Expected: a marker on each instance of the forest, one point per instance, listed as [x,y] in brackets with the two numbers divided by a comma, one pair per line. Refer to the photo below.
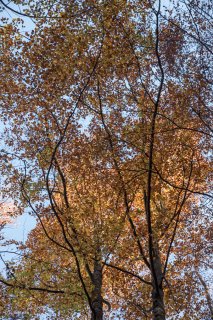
[106,145]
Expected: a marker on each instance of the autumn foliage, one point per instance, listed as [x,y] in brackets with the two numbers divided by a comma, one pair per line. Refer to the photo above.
[106,112]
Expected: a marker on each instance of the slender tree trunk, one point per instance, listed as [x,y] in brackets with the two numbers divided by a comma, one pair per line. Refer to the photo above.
[96,298]
[206,290]
[157,291]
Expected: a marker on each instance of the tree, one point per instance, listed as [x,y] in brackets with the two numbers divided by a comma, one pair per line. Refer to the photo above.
[142,154]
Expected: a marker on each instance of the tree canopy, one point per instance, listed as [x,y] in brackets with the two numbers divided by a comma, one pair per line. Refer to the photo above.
[107,135]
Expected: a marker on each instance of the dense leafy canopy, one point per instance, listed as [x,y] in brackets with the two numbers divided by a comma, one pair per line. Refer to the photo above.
[106,110]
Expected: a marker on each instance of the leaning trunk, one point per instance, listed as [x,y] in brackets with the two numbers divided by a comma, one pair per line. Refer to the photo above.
[157,291]
[206,291]
[96,297]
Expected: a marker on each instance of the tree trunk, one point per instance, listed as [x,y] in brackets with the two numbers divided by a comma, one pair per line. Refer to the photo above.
[157,291]
[96,297]
[158,304]
[206,290]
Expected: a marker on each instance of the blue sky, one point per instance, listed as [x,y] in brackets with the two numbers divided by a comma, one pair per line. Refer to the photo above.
[20,226]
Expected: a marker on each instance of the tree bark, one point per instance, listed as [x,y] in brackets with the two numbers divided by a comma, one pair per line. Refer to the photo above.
[96,297]
[157,291]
